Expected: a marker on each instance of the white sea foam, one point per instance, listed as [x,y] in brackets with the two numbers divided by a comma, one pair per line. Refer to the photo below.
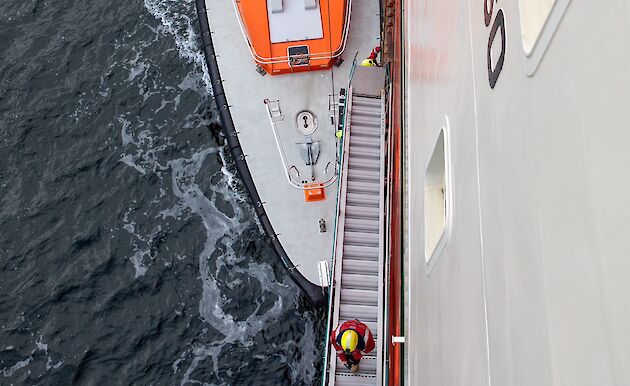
[211,307]
[138,140]
[7,372]
[39,346]
[138,265]
[178,24]
[126,137]
[127,159]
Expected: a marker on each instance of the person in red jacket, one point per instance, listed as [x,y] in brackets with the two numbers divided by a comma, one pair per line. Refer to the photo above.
[352,340]
[371,59]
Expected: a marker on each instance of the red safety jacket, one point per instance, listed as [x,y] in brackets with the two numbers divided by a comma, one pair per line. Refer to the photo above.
[374,53]
[366,341]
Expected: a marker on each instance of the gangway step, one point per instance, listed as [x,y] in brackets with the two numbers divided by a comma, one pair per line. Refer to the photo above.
[362,199]
[361,129]
[361,312]
[359,297]
[369,111]
[366,368]
[364,152]
[361,238]
[352,280]
[362,212]
[367,132]
[365,163]
[363,187]
[360,252]
[360,267]
[342,379]
[367,102]
[363,175]
[363,141]
[365,122]
[362,225]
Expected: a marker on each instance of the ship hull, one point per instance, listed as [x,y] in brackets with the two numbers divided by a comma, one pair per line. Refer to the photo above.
[528,284]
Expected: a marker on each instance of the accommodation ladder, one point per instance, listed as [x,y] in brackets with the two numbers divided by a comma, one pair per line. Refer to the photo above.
[359,258]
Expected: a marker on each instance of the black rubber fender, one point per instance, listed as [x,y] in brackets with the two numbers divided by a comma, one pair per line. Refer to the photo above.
[314,293]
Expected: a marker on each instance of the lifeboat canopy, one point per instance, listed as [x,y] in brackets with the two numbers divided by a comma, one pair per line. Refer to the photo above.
[287,36]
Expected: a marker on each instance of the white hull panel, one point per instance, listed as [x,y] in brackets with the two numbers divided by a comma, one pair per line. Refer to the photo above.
[533,285]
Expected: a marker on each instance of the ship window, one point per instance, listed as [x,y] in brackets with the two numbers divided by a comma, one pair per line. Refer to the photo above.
[534,15]
[436,200]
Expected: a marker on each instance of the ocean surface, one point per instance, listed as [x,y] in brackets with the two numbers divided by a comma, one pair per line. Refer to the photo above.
[129,252]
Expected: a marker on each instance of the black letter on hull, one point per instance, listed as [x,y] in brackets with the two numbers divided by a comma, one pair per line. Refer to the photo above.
[493,74]
[487,14]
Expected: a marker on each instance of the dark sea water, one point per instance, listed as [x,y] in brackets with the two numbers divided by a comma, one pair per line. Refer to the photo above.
[129,253]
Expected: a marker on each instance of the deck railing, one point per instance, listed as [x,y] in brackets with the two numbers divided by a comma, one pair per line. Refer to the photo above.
[275,116]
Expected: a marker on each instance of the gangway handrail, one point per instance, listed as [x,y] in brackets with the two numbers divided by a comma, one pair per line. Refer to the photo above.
[281,59]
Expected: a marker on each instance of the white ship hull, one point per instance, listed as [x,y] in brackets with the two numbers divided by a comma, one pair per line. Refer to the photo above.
[529,285]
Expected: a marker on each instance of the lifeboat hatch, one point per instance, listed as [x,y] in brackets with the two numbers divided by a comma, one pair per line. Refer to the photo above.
[298,56]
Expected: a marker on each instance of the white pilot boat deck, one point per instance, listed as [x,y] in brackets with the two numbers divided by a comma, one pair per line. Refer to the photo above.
[303,228]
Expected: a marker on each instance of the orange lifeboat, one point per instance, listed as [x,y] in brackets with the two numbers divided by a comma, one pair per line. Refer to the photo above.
[287,36]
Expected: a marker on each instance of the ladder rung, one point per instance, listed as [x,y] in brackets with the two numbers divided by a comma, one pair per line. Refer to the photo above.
[367,365]
[361,225]
[364,187]
[360,266]
[362,141]
[363,175]
[359,297]
[368,111]
[365,121]
[363,101]
[354,380]
[360,252]
[361,238]
[359,129]
[364,212]
[352,280]
[362,199]
[365,163]
[361,312]
[364,152]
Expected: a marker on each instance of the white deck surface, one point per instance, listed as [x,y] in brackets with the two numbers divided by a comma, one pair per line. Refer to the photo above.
[295,221]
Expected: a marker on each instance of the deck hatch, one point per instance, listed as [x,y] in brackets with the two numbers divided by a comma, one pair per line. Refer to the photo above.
[298,56]
[294,21]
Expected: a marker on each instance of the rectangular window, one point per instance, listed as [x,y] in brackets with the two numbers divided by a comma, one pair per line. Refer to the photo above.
[534,15]
[435,200]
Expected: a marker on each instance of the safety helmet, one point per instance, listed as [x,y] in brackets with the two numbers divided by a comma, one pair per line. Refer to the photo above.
[368,62]
[349,340]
